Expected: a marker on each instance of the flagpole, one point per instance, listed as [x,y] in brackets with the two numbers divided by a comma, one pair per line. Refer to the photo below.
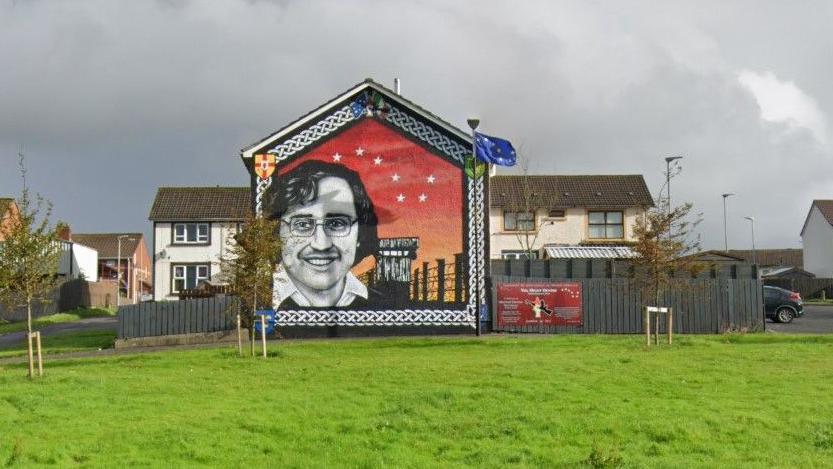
[473,123]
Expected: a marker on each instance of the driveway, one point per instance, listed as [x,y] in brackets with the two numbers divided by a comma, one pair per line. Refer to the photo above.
[816,320]
[89,324]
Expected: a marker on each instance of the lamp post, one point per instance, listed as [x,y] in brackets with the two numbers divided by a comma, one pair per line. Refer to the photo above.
[118,268]
[668,161]
[725,233]
[754,252]
[473,124]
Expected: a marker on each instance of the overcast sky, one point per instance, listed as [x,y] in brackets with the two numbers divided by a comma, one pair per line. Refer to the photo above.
[112,99]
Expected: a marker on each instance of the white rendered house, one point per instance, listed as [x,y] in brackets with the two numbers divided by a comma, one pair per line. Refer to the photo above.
[817,238]
[556,216]
[191,229]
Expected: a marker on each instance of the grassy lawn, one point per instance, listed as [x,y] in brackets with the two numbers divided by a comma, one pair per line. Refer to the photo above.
[65,342]
[68,316]
[557,401]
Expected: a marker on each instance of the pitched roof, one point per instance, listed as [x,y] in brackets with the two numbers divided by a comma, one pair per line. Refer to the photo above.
[201,204]
[107,244]
[591,191]
[826,209]
[368,83]
[772,257]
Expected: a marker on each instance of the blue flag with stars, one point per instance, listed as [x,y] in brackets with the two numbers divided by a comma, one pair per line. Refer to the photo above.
[494,150]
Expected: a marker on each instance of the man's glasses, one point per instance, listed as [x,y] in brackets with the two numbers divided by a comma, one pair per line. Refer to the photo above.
[338,225]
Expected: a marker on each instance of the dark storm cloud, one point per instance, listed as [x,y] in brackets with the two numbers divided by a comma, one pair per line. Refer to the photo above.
[115,98]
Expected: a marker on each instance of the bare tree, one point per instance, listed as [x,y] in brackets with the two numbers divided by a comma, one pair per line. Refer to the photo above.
[524,209]
[665,244]
[29,252]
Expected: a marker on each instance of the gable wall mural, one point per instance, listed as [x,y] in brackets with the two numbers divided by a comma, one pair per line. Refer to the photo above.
[377,218]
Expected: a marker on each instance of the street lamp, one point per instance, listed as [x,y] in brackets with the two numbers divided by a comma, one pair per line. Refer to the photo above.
[754,252]
[118,267]
[668,161]
[725,233]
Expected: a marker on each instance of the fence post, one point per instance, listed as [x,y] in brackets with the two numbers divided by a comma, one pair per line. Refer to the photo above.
[416,285]
[263,333]
[646,318]
[424,281]
[458,278]
[29,337]
[40,355]
[441,280]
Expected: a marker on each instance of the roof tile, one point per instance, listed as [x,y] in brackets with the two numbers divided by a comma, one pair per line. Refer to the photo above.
[590,191]
[201,204]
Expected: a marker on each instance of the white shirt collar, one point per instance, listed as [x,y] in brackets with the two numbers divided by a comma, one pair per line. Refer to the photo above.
[283,288]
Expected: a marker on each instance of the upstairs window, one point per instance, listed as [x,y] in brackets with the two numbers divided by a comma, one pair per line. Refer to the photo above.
[191,233]
[605,225]
[518,221]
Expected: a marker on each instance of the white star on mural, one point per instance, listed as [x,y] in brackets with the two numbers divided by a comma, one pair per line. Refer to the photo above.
[395,177]
[377,161]
[430,179]
[423,197]
[359,151]
[336,157]
[400,198]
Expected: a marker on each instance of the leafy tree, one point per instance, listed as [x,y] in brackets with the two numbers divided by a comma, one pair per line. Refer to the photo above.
[29,253]
[249,263]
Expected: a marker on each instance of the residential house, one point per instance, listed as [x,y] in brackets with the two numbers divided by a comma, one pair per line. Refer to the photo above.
[8,213]
[120,252]
[817,239]
[559,216]
[76,261]
[191,229]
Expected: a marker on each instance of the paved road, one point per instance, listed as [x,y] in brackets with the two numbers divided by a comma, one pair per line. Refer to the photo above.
[89,324]
[816,320]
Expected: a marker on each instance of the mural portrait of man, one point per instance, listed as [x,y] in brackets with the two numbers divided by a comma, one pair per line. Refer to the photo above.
[327,225]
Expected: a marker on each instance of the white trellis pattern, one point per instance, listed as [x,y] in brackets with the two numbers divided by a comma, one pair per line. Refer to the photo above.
[476,243]
[403,317]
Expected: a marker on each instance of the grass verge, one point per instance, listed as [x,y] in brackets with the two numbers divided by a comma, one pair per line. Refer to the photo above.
[66,342]
[58,318]
[558,401]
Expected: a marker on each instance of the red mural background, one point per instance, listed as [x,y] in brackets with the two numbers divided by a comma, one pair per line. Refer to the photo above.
[415,192]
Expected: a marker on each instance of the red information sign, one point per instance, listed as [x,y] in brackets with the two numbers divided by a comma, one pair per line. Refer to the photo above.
[552,304]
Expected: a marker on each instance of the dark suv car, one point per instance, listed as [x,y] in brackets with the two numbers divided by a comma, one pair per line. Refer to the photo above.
[782,305]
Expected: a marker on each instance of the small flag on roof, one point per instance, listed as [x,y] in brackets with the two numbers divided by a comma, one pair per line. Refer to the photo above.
[494,150]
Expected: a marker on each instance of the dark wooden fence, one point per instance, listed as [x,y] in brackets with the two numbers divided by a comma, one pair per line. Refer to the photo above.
[807,287]
[723,298]
[177,317]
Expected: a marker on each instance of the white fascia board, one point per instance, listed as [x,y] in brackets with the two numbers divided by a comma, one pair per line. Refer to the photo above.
[252,149]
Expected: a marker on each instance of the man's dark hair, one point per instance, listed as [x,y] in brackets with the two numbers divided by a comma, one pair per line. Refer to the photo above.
[300,187]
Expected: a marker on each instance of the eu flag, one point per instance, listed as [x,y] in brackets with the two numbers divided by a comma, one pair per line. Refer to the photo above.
[494,150]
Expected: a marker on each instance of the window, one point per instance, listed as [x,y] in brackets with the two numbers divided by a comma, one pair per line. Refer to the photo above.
[518,221]
[188,276]
[191,233]
[518,254]
[556,213]
[605,225]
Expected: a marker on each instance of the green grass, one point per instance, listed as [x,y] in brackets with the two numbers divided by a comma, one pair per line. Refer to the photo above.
[818,301]
[559,401]
[58,318]
[65,342]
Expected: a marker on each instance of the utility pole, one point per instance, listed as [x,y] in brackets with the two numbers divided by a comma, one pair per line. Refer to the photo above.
[668,161]
[725,232]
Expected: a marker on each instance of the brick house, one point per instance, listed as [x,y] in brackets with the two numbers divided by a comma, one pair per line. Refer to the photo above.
[191,229]
[133,260]
[559,216]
